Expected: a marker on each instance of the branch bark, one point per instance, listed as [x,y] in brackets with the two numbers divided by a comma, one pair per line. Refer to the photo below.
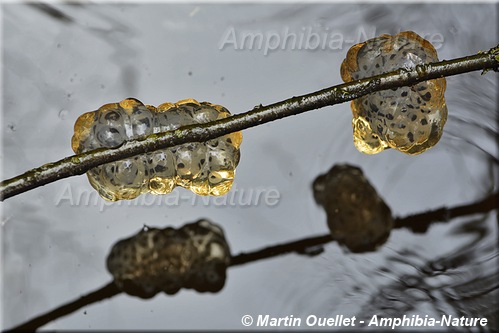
[79,164]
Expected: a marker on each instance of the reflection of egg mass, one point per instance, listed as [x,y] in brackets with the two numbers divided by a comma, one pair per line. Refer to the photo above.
[356,215]
[195,256]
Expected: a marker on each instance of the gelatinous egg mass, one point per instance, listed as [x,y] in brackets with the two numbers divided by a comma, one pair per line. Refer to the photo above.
[206,168]
[409,119]
[196,256]
[356,215]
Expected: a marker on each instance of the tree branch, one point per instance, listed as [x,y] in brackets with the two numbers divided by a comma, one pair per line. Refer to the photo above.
[79,164]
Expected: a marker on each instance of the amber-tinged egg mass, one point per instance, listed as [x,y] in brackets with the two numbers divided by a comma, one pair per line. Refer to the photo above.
[409,119]
[206,168]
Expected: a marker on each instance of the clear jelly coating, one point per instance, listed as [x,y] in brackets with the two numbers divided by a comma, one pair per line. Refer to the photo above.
[196,256]
[356,215]
[409,119]
[206,168]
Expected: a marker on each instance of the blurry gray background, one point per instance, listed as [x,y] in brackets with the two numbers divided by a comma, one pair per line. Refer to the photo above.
[58,64]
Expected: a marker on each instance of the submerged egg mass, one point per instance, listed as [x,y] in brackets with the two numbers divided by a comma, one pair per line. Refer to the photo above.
[206,168]
[409,119]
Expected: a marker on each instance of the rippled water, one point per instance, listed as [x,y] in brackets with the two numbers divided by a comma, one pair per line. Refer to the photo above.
[60,61]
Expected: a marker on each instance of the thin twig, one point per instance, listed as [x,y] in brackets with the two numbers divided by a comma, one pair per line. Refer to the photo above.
[79,164]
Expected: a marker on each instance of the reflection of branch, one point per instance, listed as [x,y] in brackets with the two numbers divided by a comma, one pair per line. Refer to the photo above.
[108,291]
[79,164]
[418,223]
[52,12]
[300,246]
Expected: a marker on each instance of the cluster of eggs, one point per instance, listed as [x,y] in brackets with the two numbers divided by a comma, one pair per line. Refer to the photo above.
[409,119]
[356,215]
[195,256]
[206,168]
